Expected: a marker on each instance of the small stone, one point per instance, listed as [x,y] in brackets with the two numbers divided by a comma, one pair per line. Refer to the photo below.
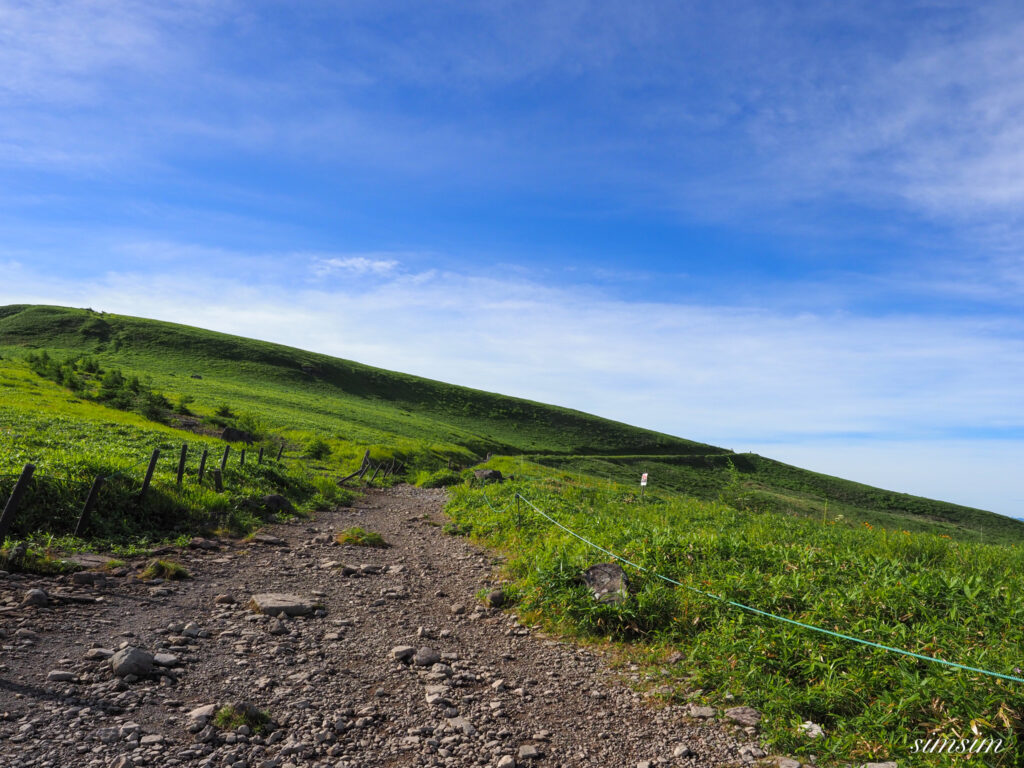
[812,730]
[506,761]
[277,627]
[887,764]
[458,610]
[225,599]
[151,739]
[98,654]
[744,716]
[35,597]
[426,657]
[684,751]
[529,752]
[60,676]
[496,598]
[403,652]
[704,713]
[787,762]
[165,660]
[463,725]
[123,762]
[205,712]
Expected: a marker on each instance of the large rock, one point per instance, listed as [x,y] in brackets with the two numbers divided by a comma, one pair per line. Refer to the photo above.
[232,435]
[275,502]
[488,475]
[276,603]
[131,661]
[608,582]
[35,597]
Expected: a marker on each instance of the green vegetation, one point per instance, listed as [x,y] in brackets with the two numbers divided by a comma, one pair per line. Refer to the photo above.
[441,478]
[85,395]
[357,537]
[334,410]
[234,716]
[924,593]
[165,569]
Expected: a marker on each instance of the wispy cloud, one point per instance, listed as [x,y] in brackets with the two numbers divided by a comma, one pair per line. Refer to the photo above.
[361,264]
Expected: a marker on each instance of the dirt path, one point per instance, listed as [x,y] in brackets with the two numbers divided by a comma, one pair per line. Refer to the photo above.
[499,695]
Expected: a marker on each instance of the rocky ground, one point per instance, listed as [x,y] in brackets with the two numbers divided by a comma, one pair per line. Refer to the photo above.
[396,662]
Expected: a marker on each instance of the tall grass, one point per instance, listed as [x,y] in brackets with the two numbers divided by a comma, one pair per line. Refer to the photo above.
[924,593]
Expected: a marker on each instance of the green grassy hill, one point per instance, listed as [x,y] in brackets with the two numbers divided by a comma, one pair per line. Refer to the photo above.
[301,396]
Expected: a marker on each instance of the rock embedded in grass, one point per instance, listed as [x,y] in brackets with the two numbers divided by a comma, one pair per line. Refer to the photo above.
[746,716]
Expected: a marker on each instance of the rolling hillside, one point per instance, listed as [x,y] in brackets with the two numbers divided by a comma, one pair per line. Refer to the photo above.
[300,396]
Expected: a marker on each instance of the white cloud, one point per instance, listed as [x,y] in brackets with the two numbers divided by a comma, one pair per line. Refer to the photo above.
[363,264]
[730,376]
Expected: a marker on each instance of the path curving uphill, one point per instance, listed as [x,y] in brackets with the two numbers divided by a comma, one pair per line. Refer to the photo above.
[380,657]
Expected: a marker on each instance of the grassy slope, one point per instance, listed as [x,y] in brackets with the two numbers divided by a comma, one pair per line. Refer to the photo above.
[920,592]
[299,394]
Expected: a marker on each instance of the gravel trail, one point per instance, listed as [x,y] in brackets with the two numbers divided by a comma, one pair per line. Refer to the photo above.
[397,663]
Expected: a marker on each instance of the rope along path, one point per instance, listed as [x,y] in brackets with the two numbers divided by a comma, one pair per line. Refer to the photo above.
[757,611]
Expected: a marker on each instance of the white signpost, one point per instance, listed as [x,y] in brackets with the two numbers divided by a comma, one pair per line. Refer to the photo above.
[643,484]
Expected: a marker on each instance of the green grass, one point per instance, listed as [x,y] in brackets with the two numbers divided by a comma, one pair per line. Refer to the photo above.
[920,592]
[232,716]
[165,569]
[357,537]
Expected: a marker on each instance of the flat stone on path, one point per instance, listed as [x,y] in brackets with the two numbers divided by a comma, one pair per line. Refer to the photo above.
[266,538]
[276,603]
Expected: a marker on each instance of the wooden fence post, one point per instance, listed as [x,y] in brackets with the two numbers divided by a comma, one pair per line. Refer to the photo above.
[241,462]
[280,451]
[218,481]
[149,474]
[259,459]
[181,462]
[202,465]
[224,458]
[90,501]
[12,503]
[375,472]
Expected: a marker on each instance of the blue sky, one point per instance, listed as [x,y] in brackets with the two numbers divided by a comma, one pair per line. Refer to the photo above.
[787,227]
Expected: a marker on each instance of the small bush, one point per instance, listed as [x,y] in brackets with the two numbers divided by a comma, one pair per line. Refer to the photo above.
[165,569]
[357,537]
[224,411]
[317,449]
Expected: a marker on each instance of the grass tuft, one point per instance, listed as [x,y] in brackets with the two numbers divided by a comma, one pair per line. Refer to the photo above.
[234,716]
[165,569]
[357,537]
